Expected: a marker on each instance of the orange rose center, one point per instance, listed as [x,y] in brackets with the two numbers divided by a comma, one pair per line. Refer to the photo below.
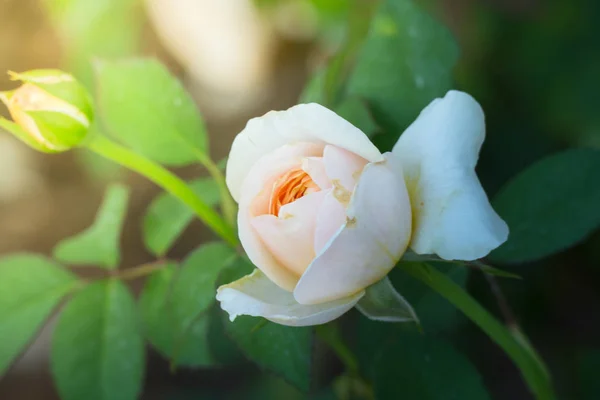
[291,186]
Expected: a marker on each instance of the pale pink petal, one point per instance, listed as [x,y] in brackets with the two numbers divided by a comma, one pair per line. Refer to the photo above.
[290,236]
[315,167]
[257,296]
[331,217]
[438,152]
[302,123]
[343,167]
[371,242]
[255,201]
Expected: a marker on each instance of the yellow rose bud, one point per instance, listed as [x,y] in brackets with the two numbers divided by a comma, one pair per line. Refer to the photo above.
[51,111]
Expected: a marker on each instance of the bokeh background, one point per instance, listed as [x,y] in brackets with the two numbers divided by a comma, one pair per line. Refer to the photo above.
[534,65]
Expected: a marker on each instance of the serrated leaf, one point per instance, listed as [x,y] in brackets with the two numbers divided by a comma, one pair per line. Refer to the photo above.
[175,306]
[31,286]
[99,244]
[97,350]
[283,350]
[382,302]
[167,217]
[405,62]
[421,367]
[550,206]
[147,109]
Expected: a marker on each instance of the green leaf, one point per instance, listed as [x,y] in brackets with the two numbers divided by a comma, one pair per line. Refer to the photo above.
[435,313]
[551,206]
[102,28]
[147,109]
[406,62]
[588,367]
[313,90]
[97,350]
[31,287]
[175,306]
[99,244]
[356,112]
[382,302]
[420,367]
[167,217]
[285,351]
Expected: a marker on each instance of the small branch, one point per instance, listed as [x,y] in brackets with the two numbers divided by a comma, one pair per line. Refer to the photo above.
[505,309]
[139,271]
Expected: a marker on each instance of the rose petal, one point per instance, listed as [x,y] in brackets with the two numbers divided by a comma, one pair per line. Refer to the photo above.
[315,167]
[255,201]
[331,217]
[369,244]
[290,236]
[257,296]
[438,152]
[342,166]
[301,123]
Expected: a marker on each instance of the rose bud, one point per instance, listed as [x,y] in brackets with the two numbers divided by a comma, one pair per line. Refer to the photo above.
[323,214]
[51,111]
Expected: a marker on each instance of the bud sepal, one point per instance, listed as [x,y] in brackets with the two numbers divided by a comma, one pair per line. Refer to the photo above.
[52,112]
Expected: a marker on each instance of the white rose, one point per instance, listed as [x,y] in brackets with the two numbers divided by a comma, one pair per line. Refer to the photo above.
[323,214]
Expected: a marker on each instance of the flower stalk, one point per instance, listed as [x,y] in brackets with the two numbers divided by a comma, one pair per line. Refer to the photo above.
[170,182]
[519,350]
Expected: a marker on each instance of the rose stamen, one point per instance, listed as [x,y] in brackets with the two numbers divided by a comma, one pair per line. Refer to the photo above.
[290,187]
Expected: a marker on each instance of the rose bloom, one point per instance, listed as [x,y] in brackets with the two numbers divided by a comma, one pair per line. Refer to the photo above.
[323,214]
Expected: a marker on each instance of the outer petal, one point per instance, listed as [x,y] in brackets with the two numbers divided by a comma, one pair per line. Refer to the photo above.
[452,215]
[256,295]
[255,201]
[342,167]
[291,236]
[301,123]
[373,238]
[330,218]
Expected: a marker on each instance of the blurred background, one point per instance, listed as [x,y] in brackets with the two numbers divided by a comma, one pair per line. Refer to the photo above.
[534,65]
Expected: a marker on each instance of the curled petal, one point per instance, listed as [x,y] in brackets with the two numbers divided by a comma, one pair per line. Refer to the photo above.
[368,245]
[255,201]
[290,236]
[343,167]
[438,152]
[302,123]
[315,167]
[257,296]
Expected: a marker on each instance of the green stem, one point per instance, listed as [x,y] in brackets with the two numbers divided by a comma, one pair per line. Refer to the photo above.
[357,26]
[524,356]
[165,179]
[227,203]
